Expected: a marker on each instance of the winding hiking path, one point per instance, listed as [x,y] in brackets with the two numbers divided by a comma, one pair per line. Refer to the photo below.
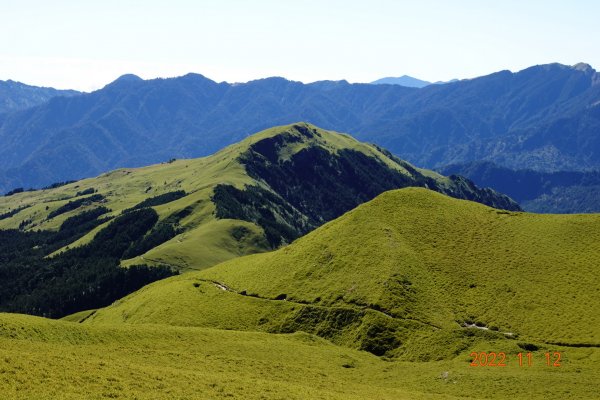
[224,287]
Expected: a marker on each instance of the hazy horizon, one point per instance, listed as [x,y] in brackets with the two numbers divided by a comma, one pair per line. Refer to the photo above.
[254,79]
[73,45]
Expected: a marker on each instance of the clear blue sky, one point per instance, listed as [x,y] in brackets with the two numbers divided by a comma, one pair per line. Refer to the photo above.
[85,44]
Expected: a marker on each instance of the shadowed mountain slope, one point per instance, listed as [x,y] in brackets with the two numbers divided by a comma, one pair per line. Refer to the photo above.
[564,192]
[545,117]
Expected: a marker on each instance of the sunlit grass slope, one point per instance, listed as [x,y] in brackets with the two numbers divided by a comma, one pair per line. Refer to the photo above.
[399,276]
[42,359]
[125,188]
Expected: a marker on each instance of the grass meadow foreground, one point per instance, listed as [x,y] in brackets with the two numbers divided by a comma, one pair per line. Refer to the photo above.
[46,359]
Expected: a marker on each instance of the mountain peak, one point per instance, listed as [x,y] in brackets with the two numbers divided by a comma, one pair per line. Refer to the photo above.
[128,78]
[329,84]
[16,96]
[583,67]
[403,80]
[194,76]
[290,136]
[125,79]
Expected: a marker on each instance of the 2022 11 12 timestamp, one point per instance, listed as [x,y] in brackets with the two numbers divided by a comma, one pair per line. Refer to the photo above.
[500,359]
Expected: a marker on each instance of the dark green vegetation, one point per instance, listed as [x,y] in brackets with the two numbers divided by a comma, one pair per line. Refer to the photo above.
[14,191]
[75,204]
[313,185]
[77,279]
[161,232]
[280,222]
[79,224]
[543,192]
[81,193]
[160,199]
[545,118]
[51,186]
[12,212]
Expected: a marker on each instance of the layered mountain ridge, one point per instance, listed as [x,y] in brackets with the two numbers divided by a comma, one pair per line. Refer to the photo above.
[544,118]
[16,96]
[562,192]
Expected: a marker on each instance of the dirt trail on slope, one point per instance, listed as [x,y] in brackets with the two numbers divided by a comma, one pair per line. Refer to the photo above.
[224,287]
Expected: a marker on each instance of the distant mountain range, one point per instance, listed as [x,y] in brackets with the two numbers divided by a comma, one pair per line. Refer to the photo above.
[542,192]
[15,96]
[408,81]
[544,118]
[403,80]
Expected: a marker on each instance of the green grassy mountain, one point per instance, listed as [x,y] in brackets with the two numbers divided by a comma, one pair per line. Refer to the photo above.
[402,289]
[302,174]
[404,276]
[254,196]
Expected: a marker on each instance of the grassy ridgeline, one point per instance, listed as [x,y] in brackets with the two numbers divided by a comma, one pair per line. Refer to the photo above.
[408,268]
